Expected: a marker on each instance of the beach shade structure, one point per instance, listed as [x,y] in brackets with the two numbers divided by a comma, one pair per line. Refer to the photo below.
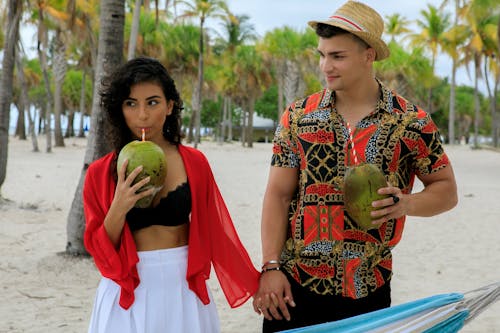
[445,313]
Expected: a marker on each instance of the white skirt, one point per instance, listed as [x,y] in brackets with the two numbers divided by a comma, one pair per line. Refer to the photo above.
[163,300]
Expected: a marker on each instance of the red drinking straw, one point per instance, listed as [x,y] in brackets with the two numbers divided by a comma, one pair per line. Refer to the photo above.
[143,134]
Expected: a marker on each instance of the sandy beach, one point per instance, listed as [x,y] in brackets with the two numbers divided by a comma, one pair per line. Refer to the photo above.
[44,291]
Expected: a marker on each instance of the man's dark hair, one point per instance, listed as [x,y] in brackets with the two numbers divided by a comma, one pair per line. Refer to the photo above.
[328,31]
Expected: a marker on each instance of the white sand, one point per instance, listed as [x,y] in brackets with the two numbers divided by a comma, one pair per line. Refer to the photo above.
[42,291]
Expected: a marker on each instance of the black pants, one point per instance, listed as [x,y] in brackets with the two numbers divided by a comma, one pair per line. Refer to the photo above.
[312,308]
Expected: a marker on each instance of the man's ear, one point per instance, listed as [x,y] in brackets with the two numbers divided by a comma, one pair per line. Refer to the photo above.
[371,54]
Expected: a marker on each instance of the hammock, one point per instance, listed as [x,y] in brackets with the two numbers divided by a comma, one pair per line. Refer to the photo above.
[445,313]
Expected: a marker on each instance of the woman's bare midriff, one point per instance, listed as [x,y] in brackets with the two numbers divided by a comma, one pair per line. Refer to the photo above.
[158,237]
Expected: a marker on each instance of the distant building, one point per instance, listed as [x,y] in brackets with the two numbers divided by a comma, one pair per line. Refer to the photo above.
[263,129]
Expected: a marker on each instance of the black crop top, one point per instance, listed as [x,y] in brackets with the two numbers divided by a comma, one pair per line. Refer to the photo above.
[172,210]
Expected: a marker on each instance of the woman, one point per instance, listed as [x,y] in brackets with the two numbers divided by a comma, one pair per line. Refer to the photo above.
[155,261]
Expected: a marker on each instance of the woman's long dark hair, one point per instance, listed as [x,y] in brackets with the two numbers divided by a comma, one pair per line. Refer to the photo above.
[116,88]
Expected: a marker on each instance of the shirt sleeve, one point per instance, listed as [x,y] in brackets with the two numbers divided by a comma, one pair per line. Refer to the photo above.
[285,153]
[428,151]
[117,264]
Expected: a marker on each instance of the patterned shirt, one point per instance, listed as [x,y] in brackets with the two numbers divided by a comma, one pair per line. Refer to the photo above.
[325,251]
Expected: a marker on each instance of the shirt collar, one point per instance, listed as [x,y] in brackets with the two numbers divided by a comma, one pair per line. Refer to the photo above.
[384,102]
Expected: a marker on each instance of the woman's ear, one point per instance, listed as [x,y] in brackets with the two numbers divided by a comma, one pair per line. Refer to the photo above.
[170,107]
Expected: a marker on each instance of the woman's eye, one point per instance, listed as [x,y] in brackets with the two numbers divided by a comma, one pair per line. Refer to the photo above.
[129,103]
[153,102]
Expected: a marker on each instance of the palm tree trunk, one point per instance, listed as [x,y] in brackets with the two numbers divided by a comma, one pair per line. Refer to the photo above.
[244,122]
[25,100]
[251,107]
[496,117]
[134,30]
[230,121]
[223,123]
[70,130]
[476,101]
[14,10]
[42,56]
[197,136]
[280,74]
[109,56]
[451,116]
[290,82]
[59,70]
[192,119]
[81,131]
[21,124]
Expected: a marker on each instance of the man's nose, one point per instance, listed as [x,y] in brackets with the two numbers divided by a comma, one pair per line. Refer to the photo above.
[325,64]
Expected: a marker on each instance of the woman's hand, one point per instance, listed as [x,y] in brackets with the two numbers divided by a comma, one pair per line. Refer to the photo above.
[126,194]
[273,296]
[125,198]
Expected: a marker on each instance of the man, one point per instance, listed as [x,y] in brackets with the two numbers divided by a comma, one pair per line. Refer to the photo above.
[318,265]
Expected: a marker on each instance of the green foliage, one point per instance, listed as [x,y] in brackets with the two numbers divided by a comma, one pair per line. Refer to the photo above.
[72,90]
[312,84]
[267,105]
[211,113]
[410,74]
[180,47]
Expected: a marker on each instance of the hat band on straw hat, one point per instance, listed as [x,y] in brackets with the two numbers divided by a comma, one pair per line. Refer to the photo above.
[344,20]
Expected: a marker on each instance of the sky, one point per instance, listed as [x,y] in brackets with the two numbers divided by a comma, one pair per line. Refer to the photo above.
[266,15]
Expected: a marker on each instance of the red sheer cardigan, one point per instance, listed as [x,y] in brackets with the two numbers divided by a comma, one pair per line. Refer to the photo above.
[212,236]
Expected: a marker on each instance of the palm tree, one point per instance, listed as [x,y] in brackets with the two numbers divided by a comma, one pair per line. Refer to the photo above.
[3,12]
[404,71]
[237,31]
[483,28]
[81,50]
[487,13]
[453,44]
[280,45]
[53,16]
[42,49]
[433,25]
[396,25]
[109,56]
[202,9]
[59,71]
[150,38]
[24,97]
[253,76]
[134,30]
[453,39]
[14,11]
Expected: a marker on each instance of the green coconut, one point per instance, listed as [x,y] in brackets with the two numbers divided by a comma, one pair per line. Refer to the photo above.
[361,183]
[151,157]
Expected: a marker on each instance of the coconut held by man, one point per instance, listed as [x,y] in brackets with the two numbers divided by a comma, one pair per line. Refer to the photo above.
[151,157]
[361,183]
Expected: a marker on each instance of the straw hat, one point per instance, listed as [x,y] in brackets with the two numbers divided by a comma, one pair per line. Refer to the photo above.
[362,21]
